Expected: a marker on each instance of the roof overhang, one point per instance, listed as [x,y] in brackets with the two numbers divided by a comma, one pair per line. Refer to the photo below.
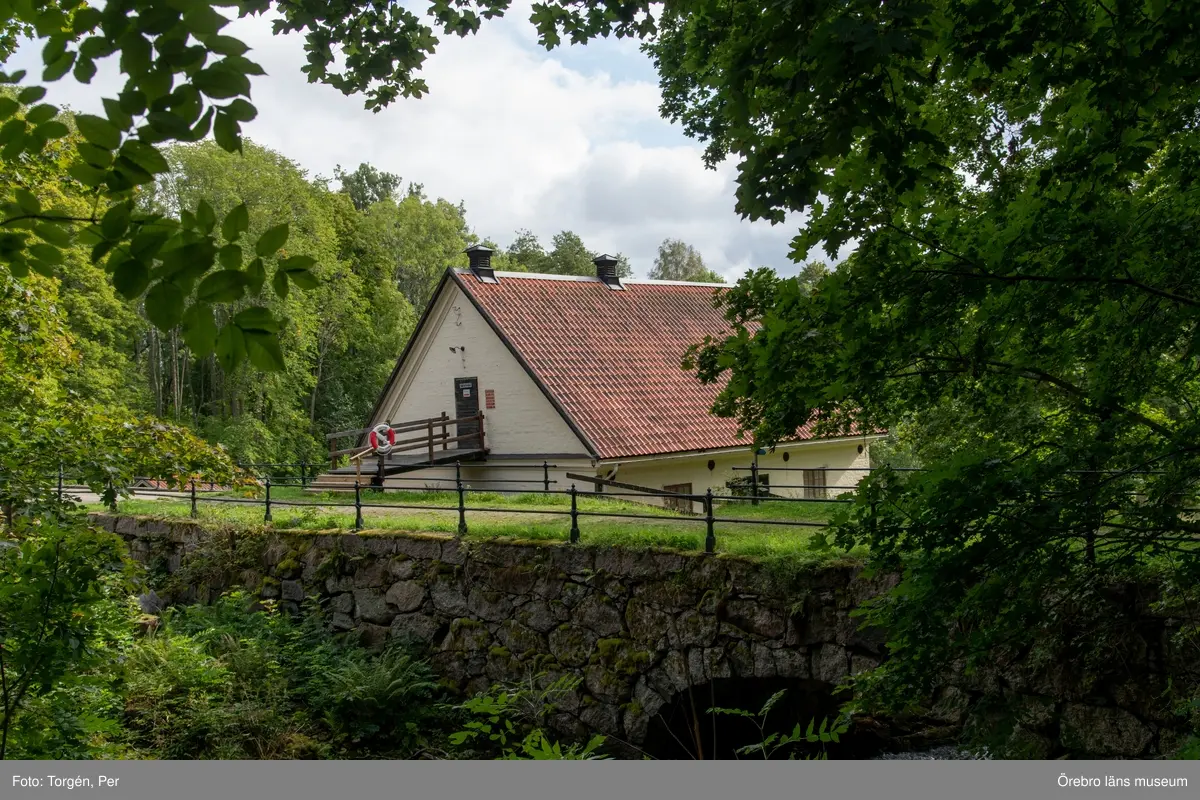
[796,445]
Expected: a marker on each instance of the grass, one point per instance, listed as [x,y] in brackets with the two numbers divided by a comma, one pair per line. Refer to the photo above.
[529,516]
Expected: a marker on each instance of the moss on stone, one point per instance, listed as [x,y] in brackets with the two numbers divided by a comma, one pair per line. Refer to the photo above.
[289,563]
[500,652]
[464,622]
[621,655]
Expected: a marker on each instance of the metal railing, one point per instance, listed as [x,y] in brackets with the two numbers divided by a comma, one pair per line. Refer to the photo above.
[710,502]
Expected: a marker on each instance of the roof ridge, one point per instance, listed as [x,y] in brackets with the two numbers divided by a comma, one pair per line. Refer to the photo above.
[549,276]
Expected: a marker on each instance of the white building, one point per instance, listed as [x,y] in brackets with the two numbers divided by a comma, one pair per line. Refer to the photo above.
[583,374]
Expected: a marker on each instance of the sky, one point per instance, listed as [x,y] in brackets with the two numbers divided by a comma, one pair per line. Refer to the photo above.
[568,139]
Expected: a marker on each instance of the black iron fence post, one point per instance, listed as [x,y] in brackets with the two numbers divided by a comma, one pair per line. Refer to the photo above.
[112,502]
[462,505]
[358,520]
[574,517]
[710,540]
[60,481]
[545,476]
[194,512]
[267,516]
[303,474]
[754,483]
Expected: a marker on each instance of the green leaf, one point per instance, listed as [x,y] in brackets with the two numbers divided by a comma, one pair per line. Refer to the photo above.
[116,221]
[8,107]
[86,174]
[297,263]
[231,347]
[230,257]
[201,128]
[27,201]
[132,102]
[221,83]
[271,240]
[256,273]
[225,45]
[31,94]
[206,218]
[55,234]
[236,223]
[202,20]
[223,286]
[241,110]
[116,115]
[61,66]
[280,284]
[148,241]
[51,130]
[39,114]
[227,133]
[164,305]
[98,131]
[130,278]
[303,278]
[168,125]
[264,351]
[146,156]
[200,329]
[85,70]
[257,318]
[85,19]
[46,253]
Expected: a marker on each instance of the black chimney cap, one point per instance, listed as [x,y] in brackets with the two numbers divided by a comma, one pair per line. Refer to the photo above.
[480,257]
[606,271]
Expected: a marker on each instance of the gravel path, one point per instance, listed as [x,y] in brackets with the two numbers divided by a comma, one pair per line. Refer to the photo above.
[946,752]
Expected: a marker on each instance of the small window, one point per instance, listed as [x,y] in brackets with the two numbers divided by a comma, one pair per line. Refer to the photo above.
[814,484]
[683,504]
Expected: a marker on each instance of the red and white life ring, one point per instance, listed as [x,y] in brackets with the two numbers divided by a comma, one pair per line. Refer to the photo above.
[382,438]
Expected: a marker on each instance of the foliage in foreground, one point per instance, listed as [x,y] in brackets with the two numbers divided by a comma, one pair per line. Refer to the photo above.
[771,743]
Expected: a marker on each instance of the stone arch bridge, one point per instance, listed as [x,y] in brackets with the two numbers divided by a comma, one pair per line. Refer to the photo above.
[642,630]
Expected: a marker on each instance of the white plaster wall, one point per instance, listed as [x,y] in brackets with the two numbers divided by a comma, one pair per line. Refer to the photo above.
[523,421]
[839,456]
[509,475]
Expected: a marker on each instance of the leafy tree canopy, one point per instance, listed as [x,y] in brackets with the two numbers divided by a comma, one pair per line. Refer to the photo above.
[679,261]
[367,185]
[568,255]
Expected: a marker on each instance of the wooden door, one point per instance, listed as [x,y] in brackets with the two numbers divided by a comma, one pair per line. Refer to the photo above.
[466,404]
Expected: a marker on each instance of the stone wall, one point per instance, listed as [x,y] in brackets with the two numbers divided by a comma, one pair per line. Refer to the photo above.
[639,627]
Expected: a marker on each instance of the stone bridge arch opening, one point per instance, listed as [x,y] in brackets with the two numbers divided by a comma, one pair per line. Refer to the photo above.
[683,728]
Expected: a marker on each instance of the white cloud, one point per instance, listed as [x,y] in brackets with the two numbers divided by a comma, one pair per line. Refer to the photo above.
[569,139]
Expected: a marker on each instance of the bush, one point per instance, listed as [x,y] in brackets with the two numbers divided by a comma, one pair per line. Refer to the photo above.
[222,681]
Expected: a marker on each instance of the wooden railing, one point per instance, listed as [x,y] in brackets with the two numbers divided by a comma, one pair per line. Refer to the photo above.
[435,435]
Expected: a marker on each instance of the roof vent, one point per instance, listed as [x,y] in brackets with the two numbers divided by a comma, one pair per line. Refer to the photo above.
[481,263]
[606,271]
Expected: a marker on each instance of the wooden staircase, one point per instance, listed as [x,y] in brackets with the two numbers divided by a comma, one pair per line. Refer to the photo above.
[434,446]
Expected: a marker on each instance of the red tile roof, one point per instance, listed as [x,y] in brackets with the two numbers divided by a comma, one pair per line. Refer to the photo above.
[612,358]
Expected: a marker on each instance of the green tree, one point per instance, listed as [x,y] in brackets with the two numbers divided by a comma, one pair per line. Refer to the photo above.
[679,261]
[367,185]
[1022,298]
[569,256]
[527,252]
[423,238]
[811,274]
[53,589]
[177,95]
